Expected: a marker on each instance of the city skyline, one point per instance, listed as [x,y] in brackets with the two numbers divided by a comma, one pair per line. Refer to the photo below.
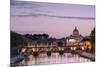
[57,20]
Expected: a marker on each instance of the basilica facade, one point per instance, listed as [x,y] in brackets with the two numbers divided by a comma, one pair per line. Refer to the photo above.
[74,39]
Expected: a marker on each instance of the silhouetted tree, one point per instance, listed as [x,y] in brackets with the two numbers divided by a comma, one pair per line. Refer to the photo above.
[92,36]
[40,36]
[16,39]
[45,36]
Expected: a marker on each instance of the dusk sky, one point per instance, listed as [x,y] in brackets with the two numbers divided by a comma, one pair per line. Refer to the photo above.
[57,20]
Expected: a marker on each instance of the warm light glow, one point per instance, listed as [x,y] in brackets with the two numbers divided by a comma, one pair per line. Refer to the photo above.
[82,48]
[71,40]
[33,49]
[23,49]
[88,43]
[74,48]
[62,49]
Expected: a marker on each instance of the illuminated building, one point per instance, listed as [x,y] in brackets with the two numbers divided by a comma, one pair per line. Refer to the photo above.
[86,45]
[75,38]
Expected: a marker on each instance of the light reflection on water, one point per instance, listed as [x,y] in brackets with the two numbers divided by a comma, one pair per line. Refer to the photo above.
[55,58]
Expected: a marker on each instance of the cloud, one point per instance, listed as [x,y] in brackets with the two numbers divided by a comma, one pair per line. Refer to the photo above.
[55,16]
[24,4]
[30,11]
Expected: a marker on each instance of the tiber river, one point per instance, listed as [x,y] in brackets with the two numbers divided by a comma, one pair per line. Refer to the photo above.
[55,58]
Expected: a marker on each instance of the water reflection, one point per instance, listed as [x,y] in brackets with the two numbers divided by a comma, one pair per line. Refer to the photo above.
[55,58]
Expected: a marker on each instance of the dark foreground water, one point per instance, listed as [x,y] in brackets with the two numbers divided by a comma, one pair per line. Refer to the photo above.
[55,58]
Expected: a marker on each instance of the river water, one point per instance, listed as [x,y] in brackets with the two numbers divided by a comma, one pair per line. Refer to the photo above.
[55,58]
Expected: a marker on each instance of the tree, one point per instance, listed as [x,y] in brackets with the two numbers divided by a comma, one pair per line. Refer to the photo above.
[16,39]
[92,36]
[45,36]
